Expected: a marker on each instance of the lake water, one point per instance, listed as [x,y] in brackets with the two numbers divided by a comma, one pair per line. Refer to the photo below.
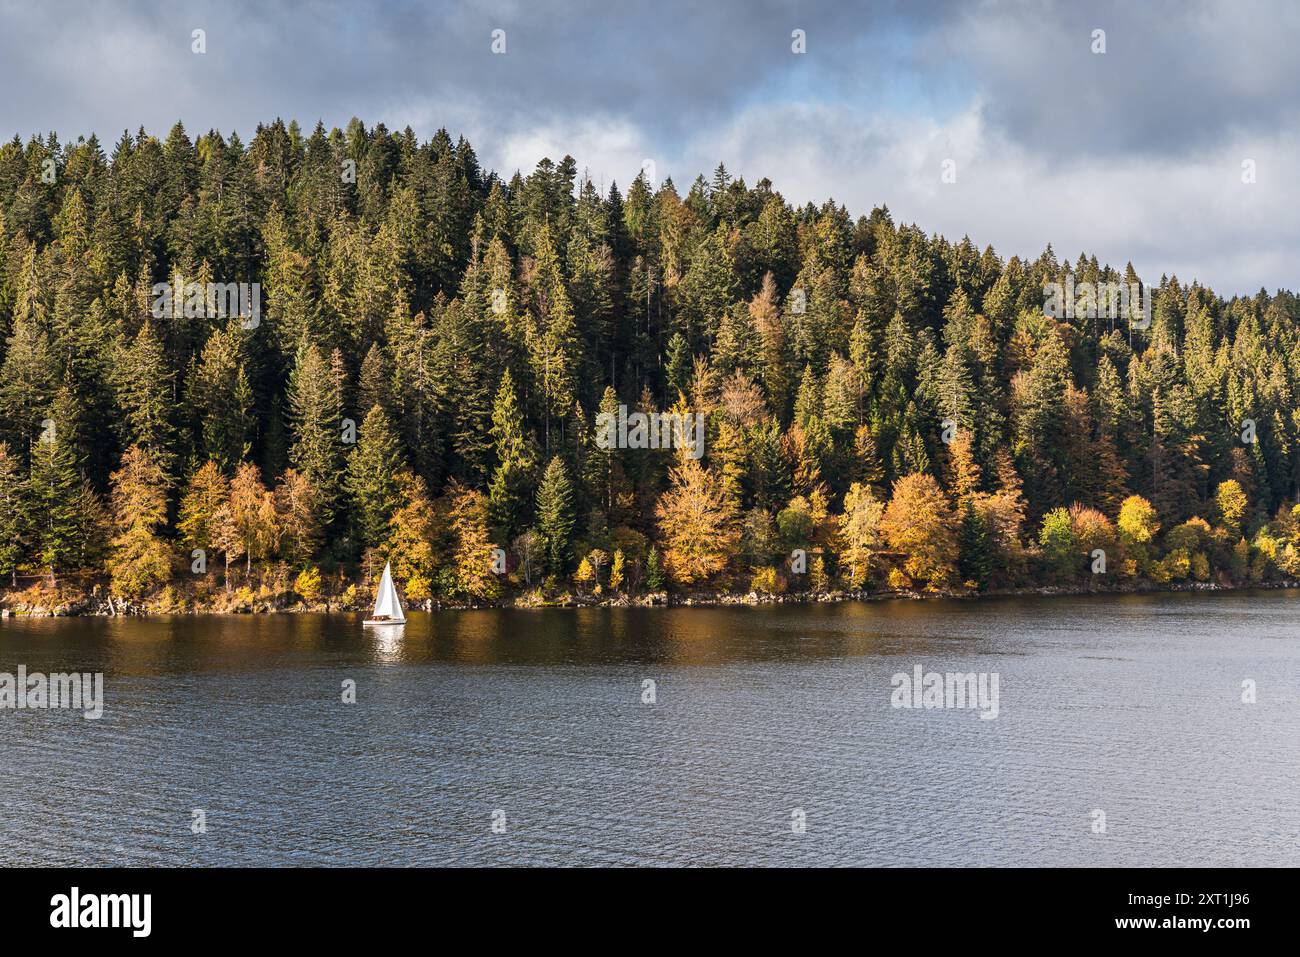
[771,740]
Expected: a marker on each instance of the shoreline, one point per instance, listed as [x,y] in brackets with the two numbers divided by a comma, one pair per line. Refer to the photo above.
[96,606]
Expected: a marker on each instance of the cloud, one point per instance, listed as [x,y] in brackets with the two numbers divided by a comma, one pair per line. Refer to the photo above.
[1173,77]
[1190,216]
[1132,154]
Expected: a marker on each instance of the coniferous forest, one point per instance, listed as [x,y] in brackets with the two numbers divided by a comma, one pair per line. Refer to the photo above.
[884,409]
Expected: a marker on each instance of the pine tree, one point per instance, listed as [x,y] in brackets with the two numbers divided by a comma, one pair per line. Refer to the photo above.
[142,385]
[975,546]
[654,575]
[316,403]
[555,516]
[13,515]
[55,501]
[222,399]
[516,460]
[372,479]
[552,337]
[29,375]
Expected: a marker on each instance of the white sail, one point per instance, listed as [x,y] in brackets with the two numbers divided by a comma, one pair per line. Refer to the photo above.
[387,605]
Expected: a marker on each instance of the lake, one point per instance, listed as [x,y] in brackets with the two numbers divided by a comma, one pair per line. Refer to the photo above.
[769,736]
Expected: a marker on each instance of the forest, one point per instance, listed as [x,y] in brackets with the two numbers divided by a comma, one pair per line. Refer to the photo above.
[883,410]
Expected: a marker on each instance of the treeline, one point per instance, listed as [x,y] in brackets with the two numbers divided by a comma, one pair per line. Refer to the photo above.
[884,408]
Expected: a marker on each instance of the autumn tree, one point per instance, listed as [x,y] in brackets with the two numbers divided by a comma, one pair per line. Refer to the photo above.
[251,516]
[409,545]
[297,512]
[919,524]
[206,498]
[698,524]
[139,560]
[860,534]
[1137,526]
[469,573]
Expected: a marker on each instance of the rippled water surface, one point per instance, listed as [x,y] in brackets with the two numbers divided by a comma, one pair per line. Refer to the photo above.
[1131,706]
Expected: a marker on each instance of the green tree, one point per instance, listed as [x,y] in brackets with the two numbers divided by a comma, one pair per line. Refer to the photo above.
[372,478]
[13,514]
[222,398]
[142,384]
[555,516]
[55,496]
[516,460]
[316,412]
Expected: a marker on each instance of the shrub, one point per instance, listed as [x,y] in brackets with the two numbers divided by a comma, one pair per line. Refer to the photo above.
[308,583]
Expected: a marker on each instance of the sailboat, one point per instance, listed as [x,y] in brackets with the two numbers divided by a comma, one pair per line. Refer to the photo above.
[388,606]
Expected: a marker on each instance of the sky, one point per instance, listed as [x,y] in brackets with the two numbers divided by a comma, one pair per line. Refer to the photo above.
[1138,153]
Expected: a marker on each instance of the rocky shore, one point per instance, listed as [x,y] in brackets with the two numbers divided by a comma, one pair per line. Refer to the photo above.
[68,601]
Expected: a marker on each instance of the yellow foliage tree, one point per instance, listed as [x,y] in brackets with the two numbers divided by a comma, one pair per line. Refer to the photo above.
[139,559]
[251,517]
[920,523]
[859,533]
[409,545]
[1230,503]
[1137,525]
[472,561]
[698,524]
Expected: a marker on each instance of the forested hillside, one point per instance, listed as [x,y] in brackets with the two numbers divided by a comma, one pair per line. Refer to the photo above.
[434,344]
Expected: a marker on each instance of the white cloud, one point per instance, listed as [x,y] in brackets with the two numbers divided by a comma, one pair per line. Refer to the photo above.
[1189,215]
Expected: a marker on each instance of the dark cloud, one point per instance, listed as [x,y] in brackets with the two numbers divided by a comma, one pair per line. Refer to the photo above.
[1131,154]
[668,66]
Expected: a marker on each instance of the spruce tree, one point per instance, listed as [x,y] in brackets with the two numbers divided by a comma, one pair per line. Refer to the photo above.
[555,516]
[13,515]
[315,409]
[55,502]
[507,494]
[372,479]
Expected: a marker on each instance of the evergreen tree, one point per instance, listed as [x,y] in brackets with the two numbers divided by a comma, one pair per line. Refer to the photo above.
[555,515]
[315,404]
[372,479]
[223,400]
[142,386]
[56,505]
[13,515]
[516,460]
